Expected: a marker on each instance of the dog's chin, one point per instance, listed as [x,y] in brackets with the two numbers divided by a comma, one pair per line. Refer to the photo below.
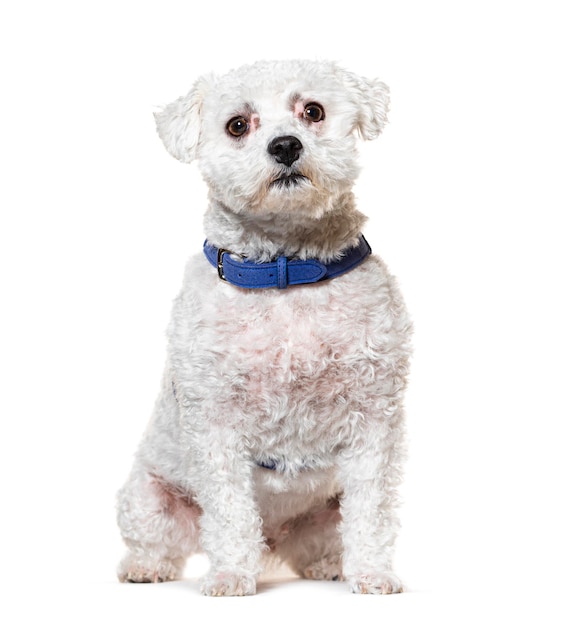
[298,196]
[290,192]
[288,181]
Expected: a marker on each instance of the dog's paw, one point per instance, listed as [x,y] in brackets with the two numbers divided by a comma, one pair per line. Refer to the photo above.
[133,570]
[160,574]
[228,584]
[327,568]
[377,584]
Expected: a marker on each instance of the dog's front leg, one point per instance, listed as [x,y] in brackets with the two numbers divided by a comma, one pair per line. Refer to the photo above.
[369,522]
[231,528]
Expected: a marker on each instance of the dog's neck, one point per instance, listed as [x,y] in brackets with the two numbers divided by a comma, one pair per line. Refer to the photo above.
[263,238]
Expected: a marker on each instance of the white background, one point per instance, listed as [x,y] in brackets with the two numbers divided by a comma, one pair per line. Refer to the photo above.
[466,196]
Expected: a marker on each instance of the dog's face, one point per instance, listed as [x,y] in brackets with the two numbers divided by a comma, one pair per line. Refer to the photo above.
[276,137]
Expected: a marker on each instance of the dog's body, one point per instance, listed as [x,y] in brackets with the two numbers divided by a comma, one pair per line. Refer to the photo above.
[279,427]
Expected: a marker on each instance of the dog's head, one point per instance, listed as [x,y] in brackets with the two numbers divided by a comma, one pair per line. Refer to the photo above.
[276,136]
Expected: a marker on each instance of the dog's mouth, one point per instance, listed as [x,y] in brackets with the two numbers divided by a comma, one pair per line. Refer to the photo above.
[288,180]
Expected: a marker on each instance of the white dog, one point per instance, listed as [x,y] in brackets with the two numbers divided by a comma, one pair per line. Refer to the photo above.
[279,427]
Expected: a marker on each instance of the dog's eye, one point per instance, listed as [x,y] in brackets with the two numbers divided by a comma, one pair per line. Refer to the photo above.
[314,112]
[237,126]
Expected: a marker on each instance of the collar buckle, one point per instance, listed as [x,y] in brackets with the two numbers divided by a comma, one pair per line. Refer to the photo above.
[220,266]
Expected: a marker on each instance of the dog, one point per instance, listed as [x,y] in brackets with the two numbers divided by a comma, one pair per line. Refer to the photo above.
[279,429]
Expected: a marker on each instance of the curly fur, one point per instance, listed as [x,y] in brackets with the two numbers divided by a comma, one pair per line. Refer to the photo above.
[309,379]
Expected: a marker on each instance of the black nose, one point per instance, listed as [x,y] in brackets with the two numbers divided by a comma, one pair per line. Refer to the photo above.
[285,149]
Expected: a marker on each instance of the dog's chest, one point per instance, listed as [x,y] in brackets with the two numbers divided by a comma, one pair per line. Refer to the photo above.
[297,369]
[288,339]
[292,361]
[284,370]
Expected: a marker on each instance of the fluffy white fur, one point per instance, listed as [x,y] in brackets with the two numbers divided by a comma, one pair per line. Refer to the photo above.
[310,378]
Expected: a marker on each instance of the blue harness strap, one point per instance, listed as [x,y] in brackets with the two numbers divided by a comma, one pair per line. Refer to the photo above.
[282,272]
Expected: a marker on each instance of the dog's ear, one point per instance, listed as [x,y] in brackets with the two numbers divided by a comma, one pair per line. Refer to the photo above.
[179,123]
[373,100]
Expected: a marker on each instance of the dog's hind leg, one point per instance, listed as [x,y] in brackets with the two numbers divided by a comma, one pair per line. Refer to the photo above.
[159,524]
[313,546]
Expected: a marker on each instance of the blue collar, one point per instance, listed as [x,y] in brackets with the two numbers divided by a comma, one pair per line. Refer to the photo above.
[282,272]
